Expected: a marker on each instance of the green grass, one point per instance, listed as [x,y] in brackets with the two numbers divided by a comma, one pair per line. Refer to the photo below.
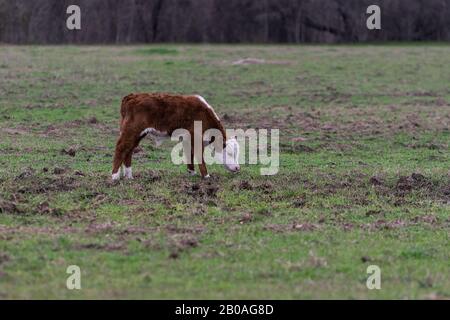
[367,182]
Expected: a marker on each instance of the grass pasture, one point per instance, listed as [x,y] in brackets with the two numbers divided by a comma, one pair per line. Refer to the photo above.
[363,180]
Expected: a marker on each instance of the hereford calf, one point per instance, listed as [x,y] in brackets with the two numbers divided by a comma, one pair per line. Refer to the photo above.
[159,115]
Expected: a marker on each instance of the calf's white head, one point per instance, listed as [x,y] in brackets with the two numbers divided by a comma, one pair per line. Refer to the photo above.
[230,155]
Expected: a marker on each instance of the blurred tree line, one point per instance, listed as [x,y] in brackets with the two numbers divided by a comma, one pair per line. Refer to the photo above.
[263,21]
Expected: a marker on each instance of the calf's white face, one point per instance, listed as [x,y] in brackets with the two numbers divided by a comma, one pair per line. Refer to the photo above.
[230,155]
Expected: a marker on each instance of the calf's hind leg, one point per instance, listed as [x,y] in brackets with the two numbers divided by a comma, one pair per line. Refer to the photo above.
[123,154]
[128,158]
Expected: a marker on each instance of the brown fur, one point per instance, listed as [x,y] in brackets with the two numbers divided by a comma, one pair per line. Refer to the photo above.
[164,112]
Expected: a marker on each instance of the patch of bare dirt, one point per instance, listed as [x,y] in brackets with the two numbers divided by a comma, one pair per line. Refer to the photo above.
[15,131]
[133,230]
[265,187]
[117,246]
[63,129]
[4,257]
[32,230]
[429,146]
[427,218]
[59,170]
[10,207]
[376,181]
[202,191]
[79,173]
[13,204]
[245,185]
[386,225]
[375,213]
[196,229]
[26,173]
[45,209]
[95,228]
[437,190]
[382,224]
[179,243]
[93,120]
[347,122]
[38,185]
[404,185]
[149,176]
[245,218]
[70,151]
[299,202]
[415,181]
[29,181]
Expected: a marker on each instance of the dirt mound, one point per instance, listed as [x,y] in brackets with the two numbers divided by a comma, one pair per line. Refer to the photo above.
[39,185]
[299,202]
[26,173]
[44,209]
[376,181]
[149,176]
[9,207]
[183,241]
[70,151]
[415,181]
[92,120]
[203,191]
[245,185]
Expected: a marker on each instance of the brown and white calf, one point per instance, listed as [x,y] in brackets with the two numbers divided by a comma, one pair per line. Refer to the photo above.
[160,115]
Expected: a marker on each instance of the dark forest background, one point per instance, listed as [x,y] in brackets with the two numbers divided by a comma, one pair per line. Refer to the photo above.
[230,21]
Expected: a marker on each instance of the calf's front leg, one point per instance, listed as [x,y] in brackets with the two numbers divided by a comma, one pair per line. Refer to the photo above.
[189,154]
[127,172]
[203,170]
[202,166]
[199,156]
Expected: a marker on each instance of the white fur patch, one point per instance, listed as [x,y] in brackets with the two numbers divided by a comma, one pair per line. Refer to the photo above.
[230,155]
[232,149]
[153,132]
[116,176]
[128,173]
[207,105]
[192,172]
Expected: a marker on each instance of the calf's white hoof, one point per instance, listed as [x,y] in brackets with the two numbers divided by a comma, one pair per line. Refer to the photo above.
[128,173]
[115,176]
